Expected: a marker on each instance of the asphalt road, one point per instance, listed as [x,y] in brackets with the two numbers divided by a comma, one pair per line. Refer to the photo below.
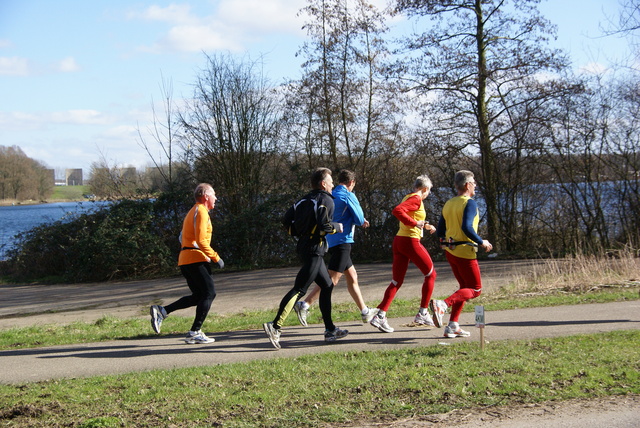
[260,289]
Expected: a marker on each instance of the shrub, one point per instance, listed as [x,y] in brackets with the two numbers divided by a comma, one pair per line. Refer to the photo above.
[117,242]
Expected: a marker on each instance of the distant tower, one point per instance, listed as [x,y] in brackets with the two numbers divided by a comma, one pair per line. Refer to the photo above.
[74,177]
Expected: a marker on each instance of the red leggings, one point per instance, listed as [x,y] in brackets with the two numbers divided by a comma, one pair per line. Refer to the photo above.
[407,250]
[467,272]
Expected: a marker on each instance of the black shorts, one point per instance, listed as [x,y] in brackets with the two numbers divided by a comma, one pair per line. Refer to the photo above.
[340,258]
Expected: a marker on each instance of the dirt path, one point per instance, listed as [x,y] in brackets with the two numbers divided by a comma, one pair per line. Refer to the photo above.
[612,412]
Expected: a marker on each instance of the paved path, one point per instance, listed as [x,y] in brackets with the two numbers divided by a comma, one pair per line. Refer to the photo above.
[165,352]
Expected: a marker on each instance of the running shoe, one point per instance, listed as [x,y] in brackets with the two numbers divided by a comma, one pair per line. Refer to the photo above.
[423,320]
[198,337]
[369,315]
[158,314]
[381,324]
[455,331]
[438,309]
[301,312]
[272,333]
[332,336]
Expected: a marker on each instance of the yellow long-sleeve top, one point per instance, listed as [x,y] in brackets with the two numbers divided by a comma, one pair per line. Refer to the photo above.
[196,237]
[410,211]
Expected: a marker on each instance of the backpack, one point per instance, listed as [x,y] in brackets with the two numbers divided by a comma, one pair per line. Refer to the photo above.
[301,217]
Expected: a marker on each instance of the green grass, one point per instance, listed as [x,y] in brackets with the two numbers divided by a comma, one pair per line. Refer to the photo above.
[373,387]
[112,328]
[70,193]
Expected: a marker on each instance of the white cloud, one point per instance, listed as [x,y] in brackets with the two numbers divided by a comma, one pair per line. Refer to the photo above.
[263,16]
[231,27]
[122,131]
[594,68]
[10,121]
[197,38]
[67,65]
[172,13]
[5,43]
[79,117]
[17,120]
[14,66]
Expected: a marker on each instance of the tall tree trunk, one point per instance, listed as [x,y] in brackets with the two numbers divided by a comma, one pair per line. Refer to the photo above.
[489,178]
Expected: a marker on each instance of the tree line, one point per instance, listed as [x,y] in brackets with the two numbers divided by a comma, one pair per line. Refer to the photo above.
[23,178]
[474,85]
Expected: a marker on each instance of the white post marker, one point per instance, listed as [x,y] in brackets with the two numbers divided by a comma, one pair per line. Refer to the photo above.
[480,324]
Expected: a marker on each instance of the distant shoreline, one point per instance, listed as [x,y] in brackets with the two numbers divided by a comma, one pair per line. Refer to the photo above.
[13,202]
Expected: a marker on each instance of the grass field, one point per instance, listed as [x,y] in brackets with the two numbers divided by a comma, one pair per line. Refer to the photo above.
[69,193]
[337,388]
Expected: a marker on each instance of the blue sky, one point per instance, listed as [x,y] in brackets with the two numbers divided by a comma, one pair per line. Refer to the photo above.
[78,77]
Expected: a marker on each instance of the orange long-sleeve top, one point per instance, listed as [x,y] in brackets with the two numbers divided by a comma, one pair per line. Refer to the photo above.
[196,237]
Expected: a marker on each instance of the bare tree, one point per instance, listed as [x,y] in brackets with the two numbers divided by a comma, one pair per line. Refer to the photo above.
[231,128]
[115,182]
[21,177]
[479,60]
[345,104]
[160,143]
[344,112]
[628,20]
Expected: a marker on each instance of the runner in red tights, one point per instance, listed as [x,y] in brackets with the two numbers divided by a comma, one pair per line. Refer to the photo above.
[458,232]
[408,248]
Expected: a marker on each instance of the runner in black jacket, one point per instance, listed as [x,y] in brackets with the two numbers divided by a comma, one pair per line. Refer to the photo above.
[313,222]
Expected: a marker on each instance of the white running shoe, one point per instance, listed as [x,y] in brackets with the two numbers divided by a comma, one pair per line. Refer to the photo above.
[158,314]
[424,320]
[438,309]
[452,331]
[272,333]
[381,324]
[198,337]
[369,315]
[301,312]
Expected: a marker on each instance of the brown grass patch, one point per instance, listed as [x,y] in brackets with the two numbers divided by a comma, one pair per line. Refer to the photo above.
[582,273]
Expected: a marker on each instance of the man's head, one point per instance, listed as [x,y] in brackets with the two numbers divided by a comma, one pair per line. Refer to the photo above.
[321,179]
[347,178]
[204,194]
[464,181]
[422,182]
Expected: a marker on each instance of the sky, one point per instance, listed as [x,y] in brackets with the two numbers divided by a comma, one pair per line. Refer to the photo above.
[78,77]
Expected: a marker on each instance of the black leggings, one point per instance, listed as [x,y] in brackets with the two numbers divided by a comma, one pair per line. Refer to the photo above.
[200,282]
[312,270]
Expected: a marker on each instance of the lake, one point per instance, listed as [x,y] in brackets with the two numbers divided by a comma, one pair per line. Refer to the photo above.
[20,218]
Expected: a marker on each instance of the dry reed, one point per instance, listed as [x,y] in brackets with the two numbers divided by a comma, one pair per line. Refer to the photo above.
[581,273]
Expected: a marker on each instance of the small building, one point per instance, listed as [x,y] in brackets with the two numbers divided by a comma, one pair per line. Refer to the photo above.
[74,177]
